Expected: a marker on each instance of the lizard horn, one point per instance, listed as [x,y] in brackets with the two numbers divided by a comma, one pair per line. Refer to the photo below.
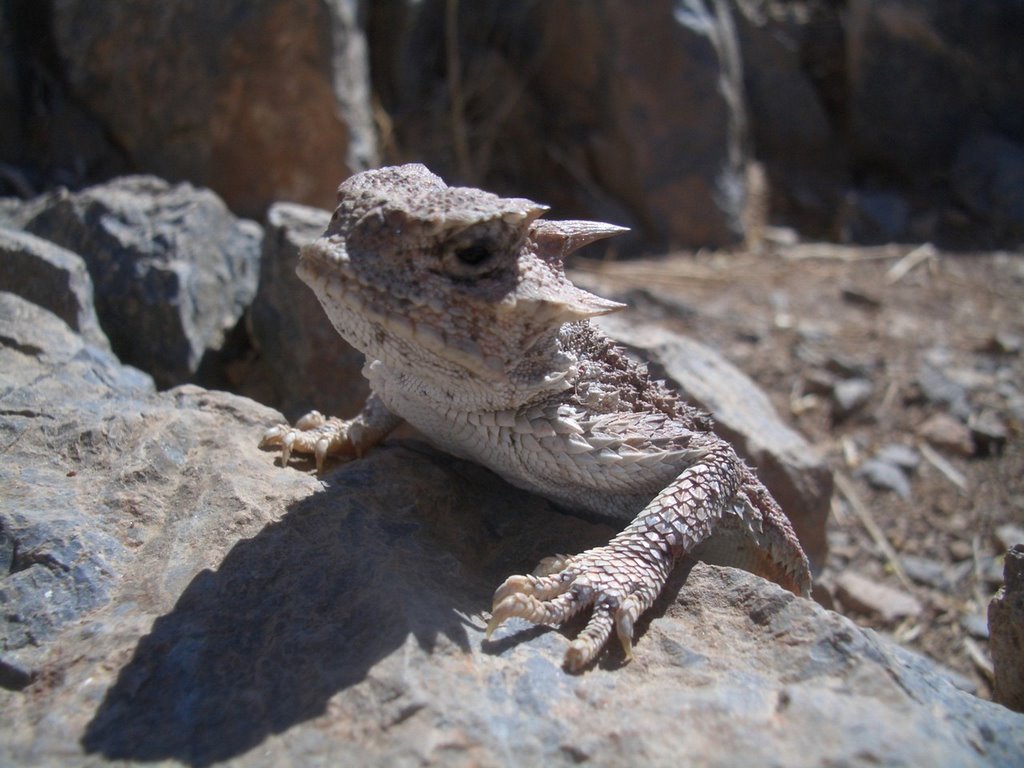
[560,238]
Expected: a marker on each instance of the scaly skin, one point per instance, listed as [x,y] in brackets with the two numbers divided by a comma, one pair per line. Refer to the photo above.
[474,335]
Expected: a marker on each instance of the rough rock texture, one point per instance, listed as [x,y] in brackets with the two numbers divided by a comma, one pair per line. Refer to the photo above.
[1006,632]
[58,541]
[607,110]
[959,70]
[299,350]
[47,137]
[798,478]
[988,175]
[176,596]
[173,269]
[52,277]
[260,101]
[792,68]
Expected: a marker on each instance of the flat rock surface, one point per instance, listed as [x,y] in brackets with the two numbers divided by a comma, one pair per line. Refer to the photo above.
[263,616]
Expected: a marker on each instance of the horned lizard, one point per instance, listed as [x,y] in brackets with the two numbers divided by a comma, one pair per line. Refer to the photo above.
[474,335]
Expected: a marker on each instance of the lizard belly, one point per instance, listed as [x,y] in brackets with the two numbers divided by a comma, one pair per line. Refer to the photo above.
[560,466]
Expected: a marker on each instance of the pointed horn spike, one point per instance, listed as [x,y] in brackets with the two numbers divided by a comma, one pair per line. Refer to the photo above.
[569,304]
[588,304]
[526,209]
[564,237]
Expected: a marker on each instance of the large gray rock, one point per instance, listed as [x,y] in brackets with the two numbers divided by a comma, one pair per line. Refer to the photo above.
[58,544]
[303,363]
[52,277]
[244,611]
[173,269]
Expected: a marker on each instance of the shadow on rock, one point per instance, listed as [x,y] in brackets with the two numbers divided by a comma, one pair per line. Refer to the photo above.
[305,609]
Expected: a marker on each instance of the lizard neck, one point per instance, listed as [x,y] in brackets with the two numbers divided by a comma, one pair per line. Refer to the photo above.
[544,371]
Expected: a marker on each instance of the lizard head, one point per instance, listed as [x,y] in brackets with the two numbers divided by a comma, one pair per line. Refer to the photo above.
[411,266]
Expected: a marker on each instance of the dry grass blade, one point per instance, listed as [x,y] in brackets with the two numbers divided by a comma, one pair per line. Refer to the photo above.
[834,252]
[460,141]
[916,257]
[950,472]
[980,658]
[860,509]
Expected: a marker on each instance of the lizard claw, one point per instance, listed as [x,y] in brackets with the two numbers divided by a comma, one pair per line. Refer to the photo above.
[540,586]
[618,582]
[313,434]
[528,607]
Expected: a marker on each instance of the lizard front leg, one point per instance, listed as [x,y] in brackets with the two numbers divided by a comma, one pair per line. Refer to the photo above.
[623,579]
[325,436]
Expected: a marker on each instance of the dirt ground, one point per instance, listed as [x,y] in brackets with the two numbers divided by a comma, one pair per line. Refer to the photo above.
[863,349]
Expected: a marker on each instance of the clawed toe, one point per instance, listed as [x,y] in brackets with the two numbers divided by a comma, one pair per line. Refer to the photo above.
[551,596]
[273,436]
[607,615]
[312,420]
[313,434]
[542,587]
[554,611]
[591,640]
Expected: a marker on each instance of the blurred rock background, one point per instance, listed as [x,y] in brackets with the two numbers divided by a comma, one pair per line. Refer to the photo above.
[863,121]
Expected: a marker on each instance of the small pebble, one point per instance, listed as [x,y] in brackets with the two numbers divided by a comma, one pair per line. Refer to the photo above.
[947,433]
[938,388]
[902,456]
[989,433]
[1004,343]
[867,595]
[925,570]
[885,476]
[1009,534]
[961,550]
[850,395]
[976,625]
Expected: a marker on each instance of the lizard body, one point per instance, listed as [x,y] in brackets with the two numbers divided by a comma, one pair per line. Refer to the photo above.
[474,335]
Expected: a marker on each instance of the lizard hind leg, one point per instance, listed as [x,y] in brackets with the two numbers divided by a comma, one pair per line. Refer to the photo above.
[756,536]
[622,579]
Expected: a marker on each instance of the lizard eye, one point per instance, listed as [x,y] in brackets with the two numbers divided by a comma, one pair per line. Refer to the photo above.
[472,256]
[474,253]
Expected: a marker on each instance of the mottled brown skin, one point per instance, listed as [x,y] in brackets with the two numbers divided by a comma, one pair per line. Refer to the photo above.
[474,335]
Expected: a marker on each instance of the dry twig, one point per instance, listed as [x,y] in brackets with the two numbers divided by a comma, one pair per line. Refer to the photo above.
[950,472]
[860,509]
[914,258]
